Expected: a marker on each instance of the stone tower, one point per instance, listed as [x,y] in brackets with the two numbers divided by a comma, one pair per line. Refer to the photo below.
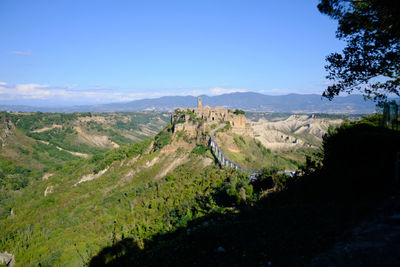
[199,104]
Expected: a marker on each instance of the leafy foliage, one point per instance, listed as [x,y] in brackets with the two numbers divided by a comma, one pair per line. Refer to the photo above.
[287,228]
[367,151]
[12,175]
[227,126]
[163,138]
[253,155]
[269,178]
[199,150]
[38,120]
[236,191]
[130,216]
[35,144]
[371,61]
[239,112]
[86,219]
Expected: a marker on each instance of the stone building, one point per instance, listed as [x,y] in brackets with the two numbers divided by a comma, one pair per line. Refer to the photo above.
[189,119]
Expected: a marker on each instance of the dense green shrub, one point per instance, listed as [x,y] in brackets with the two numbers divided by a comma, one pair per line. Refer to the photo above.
[236,190]
[239,112]
[367,153]
[199,150]
[162,139]
[104,160]
[289,227]
[227,126]
[12,175]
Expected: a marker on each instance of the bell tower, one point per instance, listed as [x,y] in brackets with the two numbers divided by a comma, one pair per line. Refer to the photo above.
[199,104]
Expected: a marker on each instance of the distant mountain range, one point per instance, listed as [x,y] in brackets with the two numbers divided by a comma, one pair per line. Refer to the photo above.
[249,101]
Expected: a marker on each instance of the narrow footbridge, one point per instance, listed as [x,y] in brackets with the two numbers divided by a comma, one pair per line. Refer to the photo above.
[223,160]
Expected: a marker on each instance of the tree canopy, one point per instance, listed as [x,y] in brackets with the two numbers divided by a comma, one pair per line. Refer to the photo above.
[370,63]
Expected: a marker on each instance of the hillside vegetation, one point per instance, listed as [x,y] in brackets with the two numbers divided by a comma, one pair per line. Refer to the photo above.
[135,191]
[251,153]
[90,133]
[164,201]
[40,142]
[34,146]
[300,218]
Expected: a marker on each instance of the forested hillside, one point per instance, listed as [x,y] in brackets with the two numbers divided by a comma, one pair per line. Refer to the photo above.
[71,136]
[33,146]
[335,211]
[165,201]
[135,191]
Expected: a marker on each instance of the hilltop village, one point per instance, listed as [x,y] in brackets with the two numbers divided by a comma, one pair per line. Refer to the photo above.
[204,118]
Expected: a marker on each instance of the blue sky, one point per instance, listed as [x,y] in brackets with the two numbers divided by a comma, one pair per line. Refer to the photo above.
[85,52]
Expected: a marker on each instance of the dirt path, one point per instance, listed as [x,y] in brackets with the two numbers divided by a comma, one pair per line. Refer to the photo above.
[47,128]
[82,155]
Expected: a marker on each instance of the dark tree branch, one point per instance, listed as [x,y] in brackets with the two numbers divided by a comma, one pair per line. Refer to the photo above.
[370,62]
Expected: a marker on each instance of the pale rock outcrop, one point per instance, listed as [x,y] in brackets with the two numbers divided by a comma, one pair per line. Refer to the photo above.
[48,190]
[7,258]
[286,134]
[6,129]
[47,176]
[91,176]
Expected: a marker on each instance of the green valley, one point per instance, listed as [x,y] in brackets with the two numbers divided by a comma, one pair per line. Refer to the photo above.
[44,141]
[200,133]
[168,199]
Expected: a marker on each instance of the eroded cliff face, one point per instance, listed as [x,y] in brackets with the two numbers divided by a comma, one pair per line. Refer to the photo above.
[297,131]
[6,129]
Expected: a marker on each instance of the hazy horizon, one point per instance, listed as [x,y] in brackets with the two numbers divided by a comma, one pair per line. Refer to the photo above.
[81,53]
[51,103]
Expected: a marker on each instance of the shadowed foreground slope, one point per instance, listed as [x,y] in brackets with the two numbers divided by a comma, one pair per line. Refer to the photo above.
[312,213]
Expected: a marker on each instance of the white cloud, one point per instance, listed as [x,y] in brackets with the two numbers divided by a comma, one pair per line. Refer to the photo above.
[193,93]
[73,95]
[33,91]
[325,83]
[269,91]
[60,94]
[275,91]
[28,91]
[279,91]
[220,91]
[21,53]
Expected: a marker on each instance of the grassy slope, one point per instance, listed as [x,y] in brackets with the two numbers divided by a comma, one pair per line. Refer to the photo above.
[73,223]
[31,154]
[120,128]
[252,154]
[314,212]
